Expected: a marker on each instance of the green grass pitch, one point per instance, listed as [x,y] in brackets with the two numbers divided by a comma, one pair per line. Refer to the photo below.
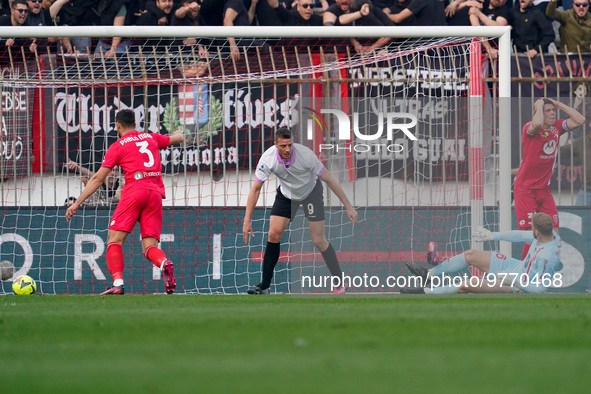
[295,344]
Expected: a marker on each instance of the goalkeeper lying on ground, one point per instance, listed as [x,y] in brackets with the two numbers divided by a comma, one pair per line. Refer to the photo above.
[503,274]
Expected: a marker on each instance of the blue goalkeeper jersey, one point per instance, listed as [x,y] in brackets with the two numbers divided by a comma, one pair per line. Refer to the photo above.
[541,259]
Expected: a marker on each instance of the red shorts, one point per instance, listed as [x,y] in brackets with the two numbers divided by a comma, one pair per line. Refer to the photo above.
[140,205]
[530,201]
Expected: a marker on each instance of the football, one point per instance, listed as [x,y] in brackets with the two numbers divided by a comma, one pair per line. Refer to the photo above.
[24,285]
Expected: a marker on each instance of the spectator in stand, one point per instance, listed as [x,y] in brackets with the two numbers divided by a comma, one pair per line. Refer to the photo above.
[235,14]
[375,17]
[396,7]
[19,11]
[266,14]
[212,12]
[322,4]
[78,13]
[495,14]
[542,5]
[301,15]
[355,13]
[461,16]
[40,16]
[251,6]
[4,8]
[158,15]
[531,31]
[188,15]
[339,14]
[112,13]
[425,13]
[567,4]
[135,9]
[582,93]
[575,26]
[457,13]
[111,186]
[224,13]
[452,7]
[383,3]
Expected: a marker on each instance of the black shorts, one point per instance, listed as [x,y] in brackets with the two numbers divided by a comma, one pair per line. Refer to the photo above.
[313,205]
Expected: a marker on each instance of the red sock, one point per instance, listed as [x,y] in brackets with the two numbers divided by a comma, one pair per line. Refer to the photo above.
[155,255]
[115,260]
[525,250]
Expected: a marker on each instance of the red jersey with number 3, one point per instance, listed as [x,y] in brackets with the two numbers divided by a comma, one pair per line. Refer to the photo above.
[539,155]
[138,154]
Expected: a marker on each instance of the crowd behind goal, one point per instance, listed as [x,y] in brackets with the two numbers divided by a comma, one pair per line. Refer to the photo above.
[538,26]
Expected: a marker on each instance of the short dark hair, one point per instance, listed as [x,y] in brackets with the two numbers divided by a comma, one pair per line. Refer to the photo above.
[543,223]
[15,2]
[126,117]
[547,101]
[283,133]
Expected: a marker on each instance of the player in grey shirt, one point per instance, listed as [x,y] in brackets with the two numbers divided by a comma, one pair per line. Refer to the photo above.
[299,172]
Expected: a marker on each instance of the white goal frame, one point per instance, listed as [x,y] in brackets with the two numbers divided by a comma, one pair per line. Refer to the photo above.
[504,66]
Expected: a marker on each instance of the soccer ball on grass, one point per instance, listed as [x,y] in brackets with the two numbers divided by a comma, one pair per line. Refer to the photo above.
[24,285]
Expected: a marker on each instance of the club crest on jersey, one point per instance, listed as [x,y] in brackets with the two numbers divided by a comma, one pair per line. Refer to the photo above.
[138,175]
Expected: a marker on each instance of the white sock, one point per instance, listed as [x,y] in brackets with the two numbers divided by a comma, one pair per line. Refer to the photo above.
[118,282]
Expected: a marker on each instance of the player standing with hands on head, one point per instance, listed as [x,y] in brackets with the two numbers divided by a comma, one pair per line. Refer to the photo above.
[540,148]
[299,172]
[138,154]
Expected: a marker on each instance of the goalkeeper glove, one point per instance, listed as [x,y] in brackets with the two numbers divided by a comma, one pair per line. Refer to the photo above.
[482,234]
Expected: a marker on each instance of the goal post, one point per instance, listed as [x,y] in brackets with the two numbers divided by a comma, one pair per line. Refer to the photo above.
[229,109]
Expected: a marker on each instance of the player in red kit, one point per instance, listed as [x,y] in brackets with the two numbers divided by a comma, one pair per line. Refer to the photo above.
[138,154]
[540,148]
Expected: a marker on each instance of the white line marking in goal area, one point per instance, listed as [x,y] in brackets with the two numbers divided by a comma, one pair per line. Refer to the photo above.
[217,257]
[90,258]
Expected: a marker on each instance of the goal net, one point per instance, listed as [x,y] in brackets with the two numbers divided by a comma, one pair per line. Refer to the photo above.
[407,124]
